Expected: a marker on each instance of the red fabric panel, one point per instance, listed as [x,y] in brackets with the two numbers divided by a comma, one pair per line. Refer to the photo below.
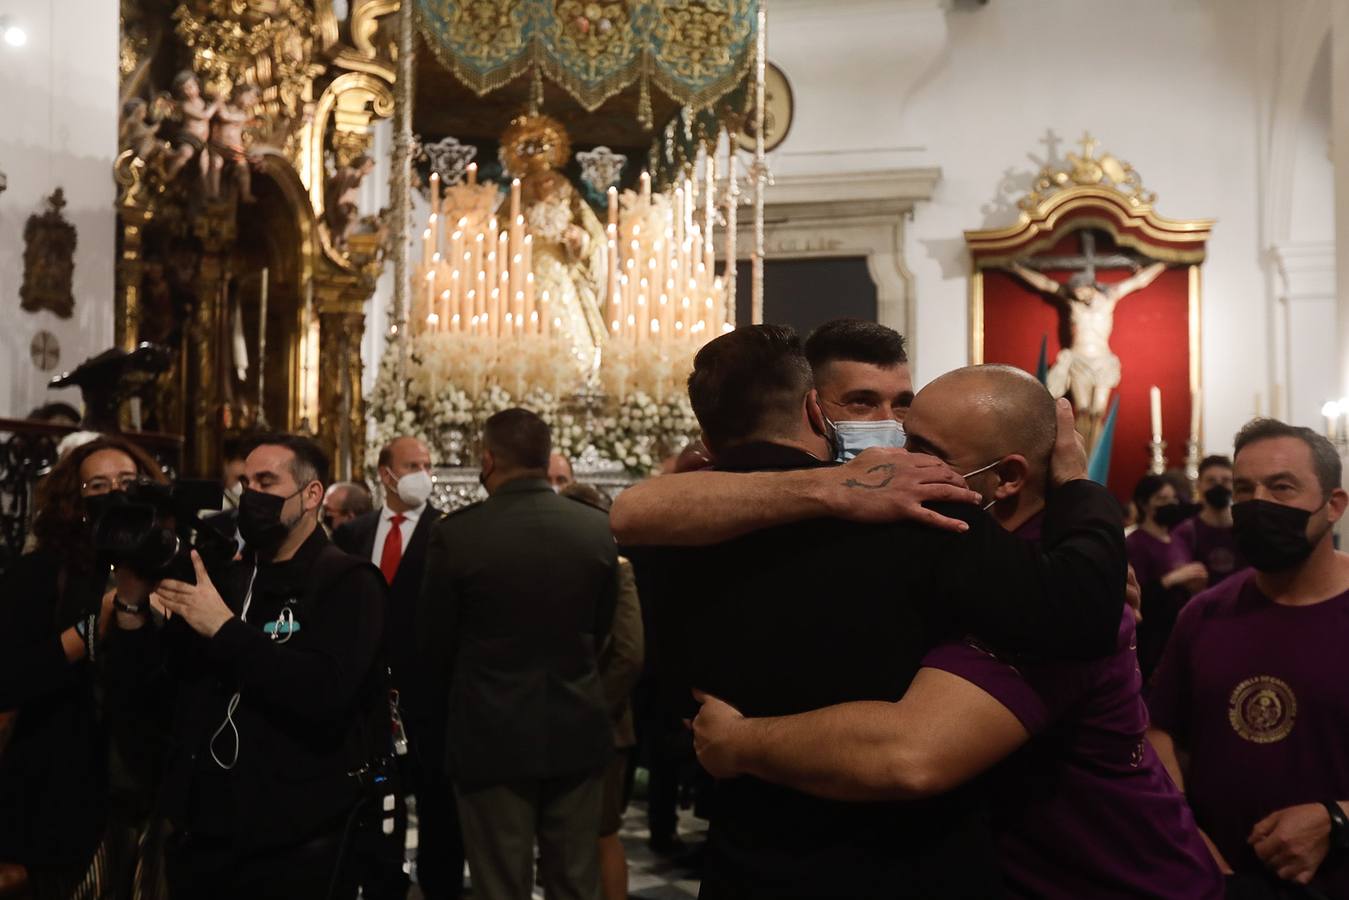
[1151,338]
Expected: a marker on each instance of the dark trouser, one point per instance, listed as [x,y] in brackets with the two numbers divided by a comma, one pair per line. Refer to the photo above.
[661,736]
[501,822]
[211,869]
[440,845]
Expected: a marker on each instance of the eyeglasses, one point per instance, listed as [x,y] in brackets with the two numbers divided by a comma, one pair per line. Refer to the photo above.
[102,485]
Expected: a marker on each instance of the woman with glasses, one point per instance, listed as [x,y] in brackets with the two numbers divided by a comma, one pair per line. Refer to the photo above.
[54,605]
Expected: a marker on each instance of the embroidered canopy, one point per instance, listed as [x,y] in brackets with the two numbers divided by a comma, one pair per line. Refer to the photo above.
[695,50]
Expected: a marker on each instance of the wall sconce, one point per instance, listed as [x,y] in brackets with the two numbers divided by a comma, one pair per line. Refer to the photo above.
[13,35]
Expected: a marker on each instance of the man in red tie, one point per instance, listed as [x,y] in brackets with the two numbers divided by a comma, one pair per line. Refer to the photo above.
[394,537]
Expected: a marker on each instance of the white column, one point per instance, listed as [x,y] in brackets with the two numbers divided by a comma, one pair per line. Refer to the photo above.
[1339,125]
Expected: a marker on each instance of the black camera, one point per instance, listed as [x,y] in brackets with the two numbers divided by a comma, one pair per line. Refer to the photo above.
[152,528]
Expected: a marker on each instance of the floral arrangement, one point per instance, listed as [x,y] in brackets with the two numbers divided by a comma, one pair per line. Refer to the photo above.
[633,410]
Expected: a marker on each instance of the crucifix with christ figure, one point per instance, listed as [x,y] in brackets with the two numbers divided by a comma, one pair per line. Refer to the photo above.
[1087,370]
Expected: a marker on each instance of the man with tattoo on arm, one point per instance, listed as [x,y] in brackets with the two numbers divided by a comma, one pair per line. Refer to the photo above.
[1087,786]
[818,610]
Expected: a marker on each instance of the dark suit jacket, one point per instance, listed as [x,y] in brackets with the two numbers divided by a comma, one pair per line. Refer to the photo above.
[821,612]
[357,537]
[518,598]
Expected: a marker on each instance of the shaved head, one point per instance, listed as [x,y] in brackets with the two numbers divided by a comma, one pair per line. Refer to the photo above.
[977,415]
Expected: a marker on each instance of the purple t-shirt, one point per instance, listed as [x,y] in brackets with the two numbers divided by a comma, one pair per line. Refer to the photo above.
[1214,547]
[1152,558]
[1086,809]
[1258,693]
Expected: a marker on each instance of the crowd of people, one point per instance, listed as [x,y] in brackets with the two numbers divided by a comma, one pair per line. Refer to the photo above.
[896,644]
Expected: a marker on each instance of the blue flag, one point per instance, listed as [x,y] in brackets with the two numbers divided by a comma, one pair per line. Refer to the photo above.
[1098,467]
[1042,367]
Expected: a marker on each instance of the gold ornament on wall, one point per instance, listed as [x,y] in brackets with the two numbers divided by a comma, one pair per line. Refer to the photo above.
[1086,169]
[49,260]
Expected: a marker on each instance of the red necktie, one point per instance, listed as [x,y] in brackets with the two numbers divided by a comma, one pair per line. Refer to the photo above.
[392,553]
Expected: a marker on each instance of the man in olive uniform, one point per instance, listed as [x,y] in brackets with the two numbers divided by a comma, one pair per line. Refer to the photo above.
[518,596]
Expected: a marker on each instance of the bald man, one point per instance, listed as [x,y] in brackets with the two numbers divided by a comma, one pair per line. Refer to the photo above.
[560,472]
[344,502]
[970,708]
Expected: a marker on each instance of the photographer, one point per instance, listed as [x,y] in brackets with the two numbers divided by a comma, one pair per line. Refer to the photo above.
[279,713]
[54,604]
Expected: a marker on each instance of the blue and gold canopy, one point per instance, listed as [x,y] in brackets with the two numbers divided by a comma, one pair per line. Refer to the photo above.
[694,50]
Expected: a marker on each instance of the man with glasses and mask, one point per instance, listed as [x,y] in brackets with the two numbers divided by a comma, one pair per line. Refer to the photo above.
[970,707]
[1206,538]
[1249,706]
[276,699]
[861,370]
[395,537]
[818,611]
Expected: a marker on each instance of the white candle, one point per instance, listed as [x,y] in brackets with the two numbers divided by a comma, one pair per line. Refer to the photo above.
[1156,396]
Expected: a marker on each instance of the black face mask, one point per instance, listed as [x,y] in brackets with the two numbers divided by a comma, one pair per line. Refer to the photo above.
[260,522]
[1172,514]
[1272,536]
[96,505]
[1218,497]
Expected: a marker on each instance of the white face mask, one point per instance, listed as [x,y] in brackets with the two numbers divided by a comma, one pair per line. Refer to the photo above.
[851,438]
[414,488]
[233,493]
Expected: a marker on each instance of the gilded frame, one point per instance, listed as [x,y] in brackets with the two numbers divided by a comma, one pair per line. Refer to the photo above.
[1129,223]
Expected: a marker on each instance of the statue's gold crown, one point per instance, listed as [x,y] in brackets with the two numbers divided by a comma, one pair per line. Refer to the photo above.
[535,143]
[1086,169]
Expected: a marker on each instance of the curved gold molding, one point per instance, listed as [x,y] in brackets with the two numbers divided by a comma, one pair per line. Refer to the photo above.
[349,92]
[364,24]
[1118,217]
[325,22]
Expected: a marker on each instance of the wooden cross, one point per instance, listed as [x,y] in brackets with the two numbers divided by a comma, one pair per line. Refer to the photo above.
[1087,261]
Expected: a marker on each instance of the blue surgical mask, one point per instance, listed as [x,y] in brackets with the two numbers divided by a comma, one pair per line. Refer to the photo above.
[851,438]
[968,475]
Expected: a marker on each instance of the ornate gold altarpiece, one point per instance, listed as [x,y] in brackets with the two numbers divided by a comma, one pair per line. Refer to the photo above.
[1099,199]
[188,260]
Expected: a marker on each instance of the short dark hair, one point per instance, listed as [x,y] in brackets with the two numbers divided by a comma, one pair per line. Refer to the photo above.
[748,383]
[310,463]
[587,494]
[519,439]
[855,340]
[1147,486]
[239,447]
[1215,460]
[1325,459]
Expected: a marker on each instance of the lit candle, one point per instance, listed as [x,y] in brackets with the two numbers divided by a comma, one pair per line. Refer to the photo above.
[613,206]
[435,191]
[1156,395]
[472,173]
[646,187]
[515,199]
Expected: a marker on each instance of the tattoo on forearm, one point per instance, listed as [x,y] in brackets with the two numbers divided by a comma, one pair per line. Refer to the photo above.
[884,474]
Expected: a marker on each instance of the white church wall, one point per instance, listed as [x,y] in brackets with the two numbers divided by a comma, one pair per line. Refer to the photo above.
[1168,87]
[60,115]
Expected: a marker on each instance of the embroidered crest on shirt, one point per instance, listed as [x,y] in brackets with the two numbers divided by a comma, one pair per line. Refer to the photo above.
[1262,709]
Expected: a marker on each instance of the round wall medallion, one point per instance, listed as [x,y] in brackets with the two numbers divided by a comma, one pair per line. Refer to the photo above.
[778,108]
[45,351]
